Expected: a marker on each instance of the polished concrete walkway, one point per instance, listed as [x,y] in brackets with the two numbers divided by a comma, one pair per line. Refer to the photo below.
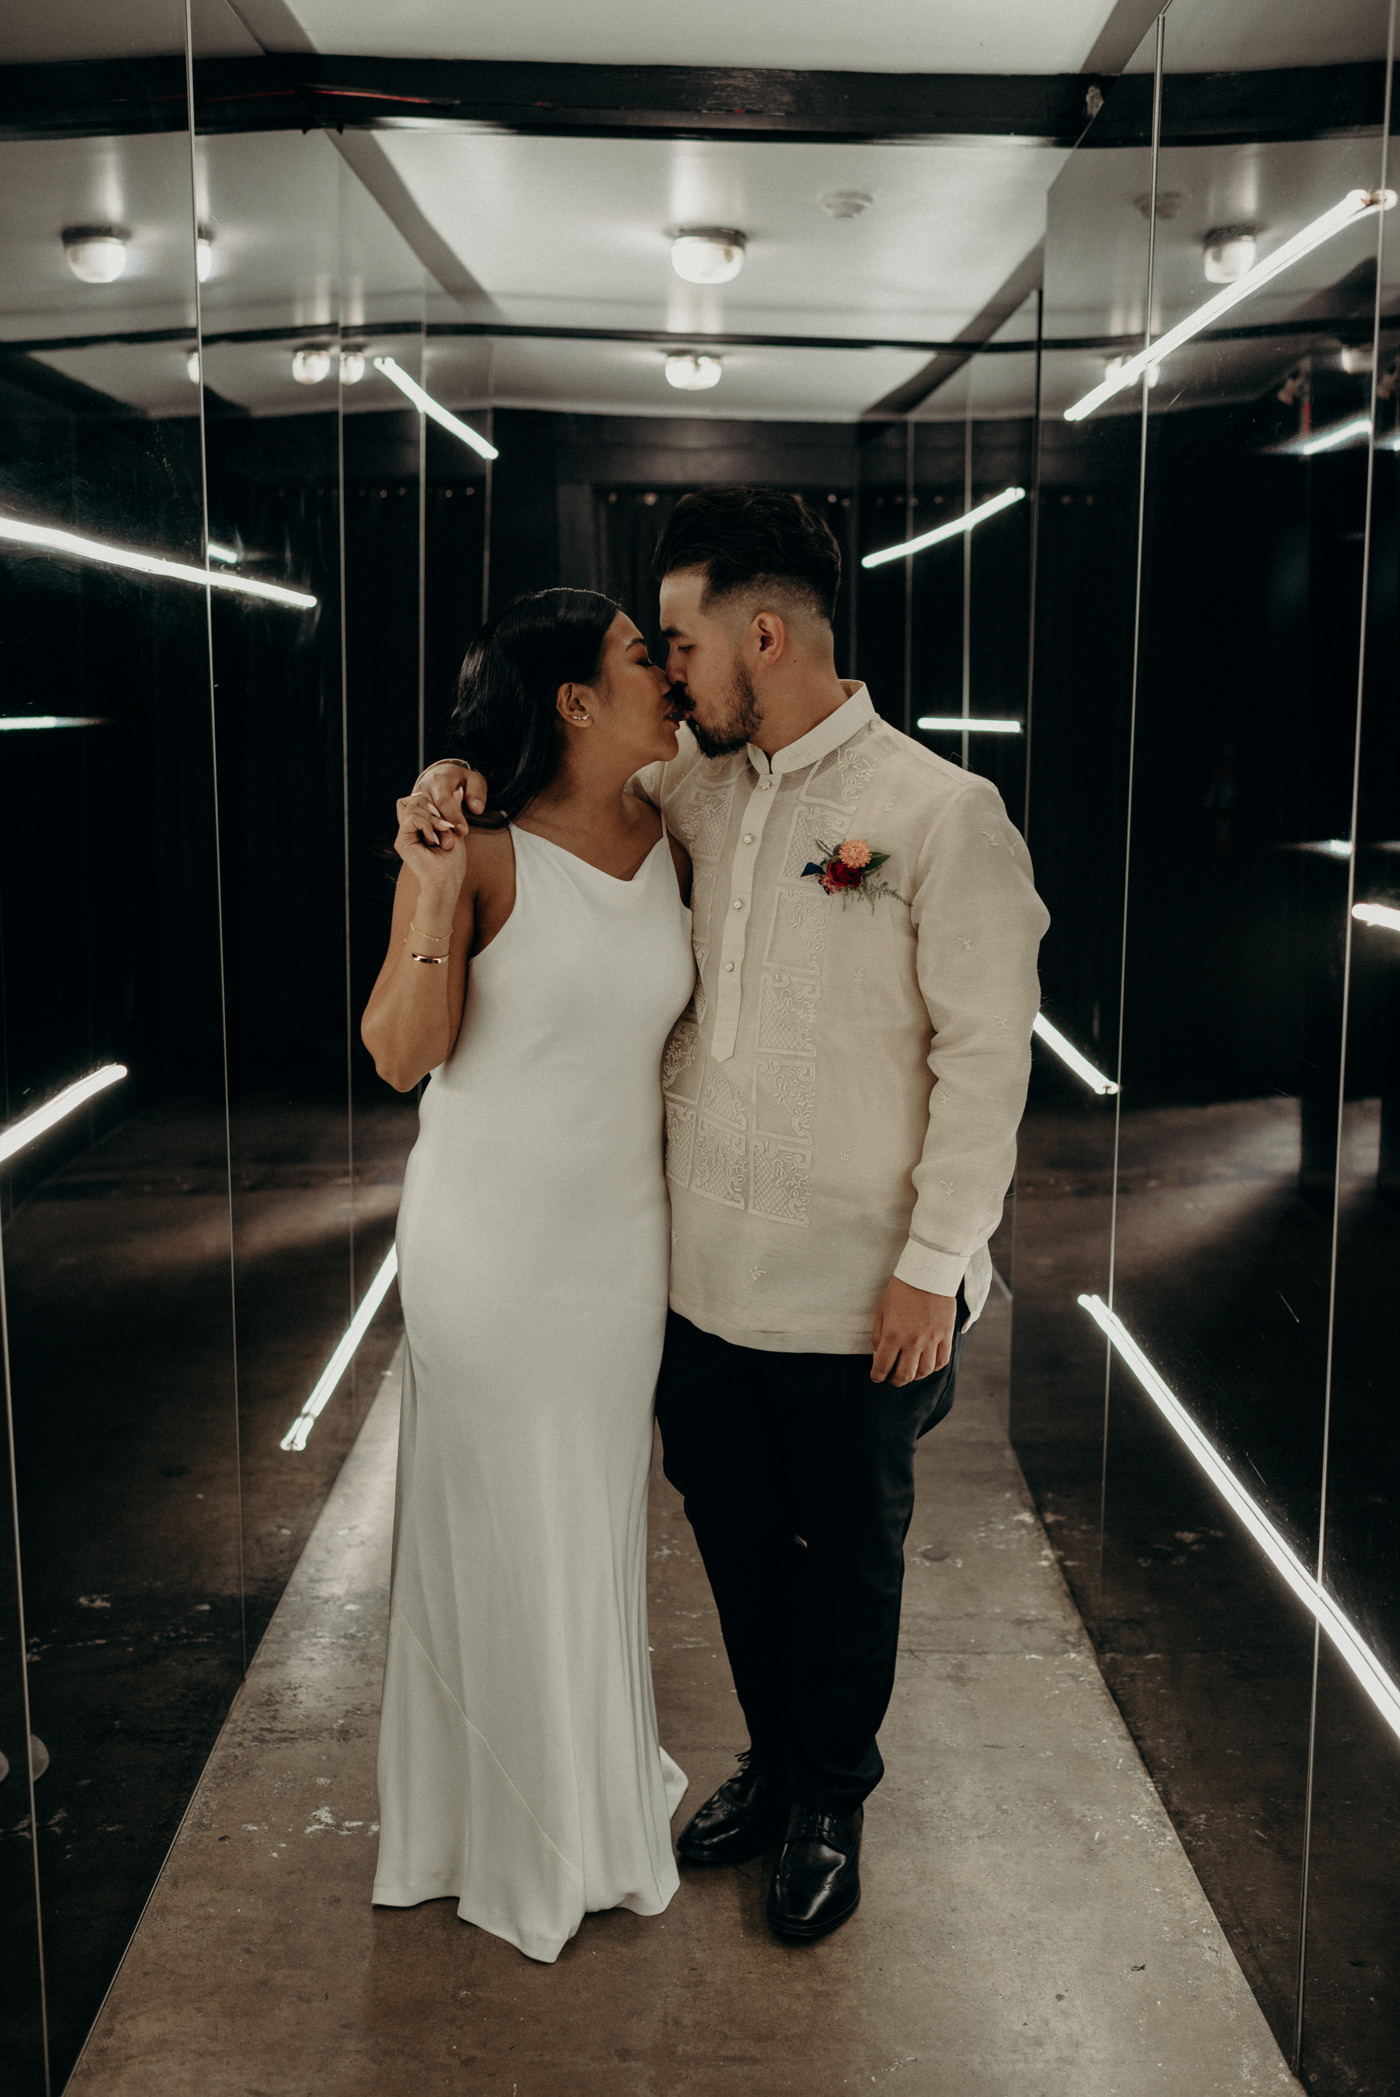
[1031,1926]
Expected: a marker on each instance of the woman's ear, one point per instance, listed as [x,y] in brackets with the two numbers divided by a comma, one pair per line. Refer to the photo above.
[571,704]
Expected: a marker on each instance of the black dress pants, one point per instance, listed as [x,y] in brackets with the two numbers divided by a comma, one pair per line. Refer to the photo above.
[798,1479]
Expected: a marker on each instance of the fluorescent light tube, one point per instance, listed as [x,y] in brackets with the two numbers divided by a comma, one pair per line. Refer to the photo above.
[969,721]
[945,531]
[298,1433]
[78,548]
[53,721]
[1354,431]
[397,376]
[216,552]
[1069,1054]
[1356,205]
[29,1126]
[1379,1687]
[1378,914]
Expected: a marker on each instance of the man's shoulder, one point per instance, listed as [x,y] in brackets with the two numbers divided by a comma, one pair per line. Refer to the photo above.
[927,782]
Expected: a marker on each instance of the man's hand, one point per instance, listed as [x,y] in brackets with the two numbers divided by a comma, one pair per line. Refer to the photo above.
[913,1334]
[440,783]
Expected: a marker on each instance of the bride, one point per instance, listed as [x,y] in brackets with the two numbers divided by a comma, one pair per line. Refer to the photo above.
[536,964]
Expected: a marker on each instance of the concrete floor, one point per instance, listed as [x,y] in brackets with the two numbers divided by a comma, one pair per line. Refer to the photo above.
[1030,1925]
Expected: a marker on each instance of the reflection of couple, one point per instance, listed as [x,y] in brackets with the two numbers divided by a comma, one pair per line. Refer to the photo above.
[844,1065]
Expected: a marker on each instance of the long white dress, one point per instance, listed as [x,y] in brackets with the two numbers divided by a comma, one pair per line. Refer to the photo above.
[519,1766]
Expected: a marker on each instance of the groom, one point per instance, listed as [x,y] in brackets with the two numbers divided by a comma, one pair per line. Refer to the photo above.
[841,1110]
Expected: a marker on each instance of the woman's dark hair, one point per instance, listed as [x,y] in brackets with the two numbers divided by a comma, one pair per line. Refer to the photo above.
[752,538]
[504,718]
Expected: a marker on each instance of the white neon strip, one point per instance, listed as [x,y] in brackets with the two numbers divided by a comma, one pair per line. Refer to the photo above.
[397,376]
[1356,205]
[965,721]
[298,1433]
[1352,432]
[945,531]
[1378,914]
[77,548]
[53,721]
[1329,847]
[1068,1053]
[1383,1692]
[23,1132]
[216,552]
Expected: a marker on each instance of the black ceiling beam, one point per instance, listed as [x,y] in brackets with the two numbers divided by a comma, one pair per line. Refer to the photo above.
[309,91]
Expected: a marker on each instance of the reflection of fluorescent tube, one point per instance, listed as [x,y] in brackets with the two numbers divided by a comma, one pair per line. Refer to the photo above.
[57,1109]
[1329,847]
[53,720]
[298,1433]
[945,531]
[1340,433]
[397,376]
[1068,1053]
[216,552]
[964,721]
[1356,205]
[1384,1693]
[77,548]
[1378,914]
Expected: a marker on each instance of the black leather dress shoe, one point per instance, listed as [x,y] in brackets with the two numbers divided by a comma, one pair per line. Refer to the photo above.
[740,1820]
[816,1885]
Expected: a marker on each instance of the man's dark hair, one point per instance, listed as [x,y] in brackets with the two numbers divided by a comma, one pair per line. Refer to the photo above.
[749,538]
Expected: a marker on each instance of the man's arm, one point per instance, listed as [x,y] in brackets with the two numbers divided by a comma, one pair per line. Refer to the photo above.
[979,923]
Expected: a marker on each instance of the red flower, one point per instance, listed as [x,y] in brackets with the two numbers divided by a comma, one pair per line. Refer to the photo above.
[835,876]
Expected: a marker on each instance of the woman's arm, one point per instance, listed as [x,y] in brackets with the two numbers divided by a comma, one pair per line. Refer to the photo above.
[415,1009]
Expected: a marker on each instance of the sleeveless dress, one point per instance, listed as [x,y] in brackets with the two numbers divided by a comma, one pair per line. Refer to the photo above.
[519,1766]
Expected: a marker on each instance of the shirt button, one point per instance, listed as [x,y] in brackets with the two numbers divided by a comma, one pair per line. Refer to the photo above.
[729,967]
[738,902]
[748,837]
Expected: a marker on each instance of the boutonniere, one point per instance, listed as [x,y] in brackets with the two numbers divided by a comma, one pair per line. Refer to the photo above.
[851,869]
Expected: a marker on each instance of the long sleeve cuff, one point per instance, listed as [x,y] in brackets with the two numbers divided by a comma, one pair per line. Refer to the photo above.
[923,1268]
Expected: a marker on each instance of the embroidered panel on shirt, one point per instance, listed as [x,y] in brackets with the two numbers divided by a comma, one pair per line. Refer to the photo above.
[787,1011]
[807,824]
[799,927]
[782,1182]
[785,1096]
[679,1073]
[701,996]
[680,1141]
[721,1167]
[723,1099]
[706,820]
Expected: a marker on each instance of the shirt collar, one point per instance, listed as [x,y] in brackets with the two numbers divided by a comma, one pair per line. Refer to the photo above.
[828,735]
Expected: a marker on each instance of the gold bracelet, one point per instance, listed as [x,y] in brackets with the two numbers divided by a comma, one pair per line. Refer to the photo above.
[436,959]
[428,935]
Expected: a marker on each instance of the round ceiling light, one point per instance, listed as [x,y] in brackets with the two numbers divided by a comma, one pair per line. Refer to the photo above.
[352,364]
[310,366]
[693,373]
[96,254]
[708,254]
[1227,252]
[204,254]
[846,203]
[193,370]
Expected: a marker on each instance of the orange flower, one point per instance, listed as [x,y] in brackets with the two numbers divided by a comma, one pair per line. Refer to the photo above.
[855,852]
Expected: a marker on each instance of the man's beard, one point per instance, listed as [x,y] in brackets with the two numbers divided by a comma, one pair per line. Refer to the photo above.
[742,719]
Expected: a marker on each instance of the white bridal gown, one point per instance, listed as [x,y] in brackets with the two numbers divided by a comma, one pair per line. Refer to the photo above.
[519,1766]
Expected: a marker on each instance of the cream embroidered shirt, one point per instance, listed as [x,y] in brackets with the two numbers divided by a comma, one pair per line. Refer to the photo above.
[843,1095]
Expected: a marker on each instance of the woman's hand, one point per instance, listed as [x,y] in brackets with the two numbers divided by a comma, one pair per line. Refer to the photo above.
[434,846]
[442,781]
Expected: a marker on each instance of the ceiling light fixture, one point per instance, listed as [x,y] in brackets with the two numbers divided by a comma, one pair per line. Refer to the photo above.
[300,1429]
[96,254]
[73,547]
[310,366]
[692,372]
[203,254]
[959,723]
[23,1132]
[1354,431]
[1356,205]
[846,203]
[352,364]
[1378,914]
[1227,252]
[229,555]
[397,376]
[1352,1648]
[946,531]
[193,368]
[1070,1056]
[53,720]
[708,254]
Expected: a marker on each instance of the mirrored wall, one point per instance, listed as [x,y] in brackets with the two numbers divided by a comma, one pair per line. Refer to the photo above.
[1206,1231]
